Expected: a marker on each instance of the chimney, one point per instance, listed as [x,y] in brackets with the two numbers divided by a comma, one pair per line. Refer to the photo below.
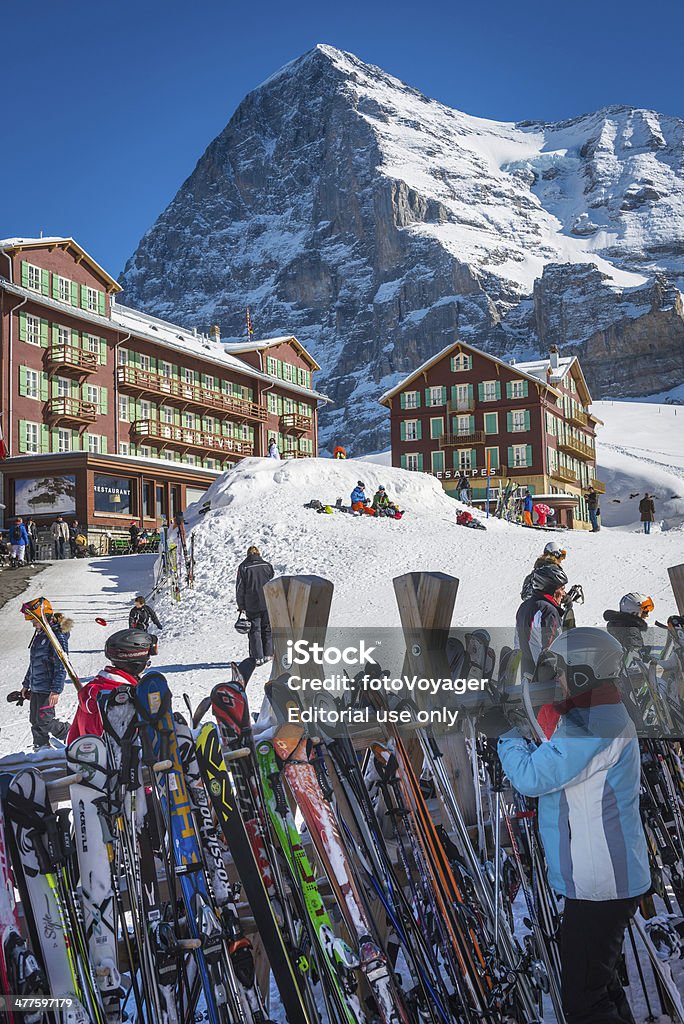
[553,357]
[215,333]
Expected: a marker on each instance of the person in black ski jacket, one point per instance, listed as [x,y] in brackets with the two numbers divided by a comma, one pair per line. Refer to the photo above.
[140,615]
[252,576]
[629,624]
[540,618]
[44,680]
[134,534]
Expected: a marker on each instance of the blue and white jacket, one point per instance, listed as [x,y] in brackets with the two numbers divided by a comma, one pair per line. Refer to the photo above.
[358,494]
[587,780]
[46,673]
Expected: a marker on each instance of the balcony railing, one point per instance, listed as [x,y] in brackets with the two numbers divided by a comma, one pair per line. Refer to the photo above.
[72,410]
[579,417]
[188,437]
[295,423]
[132,378]
[566,476]
[292,453]
[598,486]
[455,440]
[461,405]
[70,358]
[573,446]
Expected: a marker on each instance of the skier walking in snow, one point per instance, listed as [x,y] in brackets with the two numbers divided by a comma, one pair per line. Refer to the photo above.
[586,778]
[647,511]
[141,614]
[463,488]
[540,617]
[45,678]
[252,576]
[128,653]
[19,540]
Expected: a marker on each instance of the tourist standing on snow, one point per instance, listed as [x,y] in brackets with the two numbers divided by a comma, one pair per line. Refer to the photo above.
[60,535]
[273,452]
[629,624]
[528,505]
[593,509]
[586,779]
[19,540]
[32,531]
[647,511]
[463,488]
[141,614]
[128,653]
[540,618]
[45,678]
[252,576]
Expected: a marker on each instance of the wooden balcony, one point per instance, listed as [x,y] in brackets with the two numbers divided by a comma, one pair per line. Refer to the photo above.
[580,450]
[70,410]
[172,389]
[168,435]
[579,418]
[70,359]
[598,486]
[457,440]
[565,476]
[295,423]
[462,406]
[293,453]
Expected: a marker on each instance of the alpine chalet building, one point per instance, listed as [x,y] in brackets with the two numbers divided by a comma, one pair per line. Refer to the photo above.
[110,415]
[463,410]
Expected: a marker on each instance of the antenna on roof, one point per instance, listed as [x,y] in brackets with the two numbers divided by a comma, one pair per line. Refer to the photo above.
[41,232]
[250,329]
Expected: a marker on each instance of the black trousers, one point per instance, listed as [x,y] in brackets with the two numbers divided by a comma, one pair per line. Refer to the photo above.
[591,937]
[260,641]
[44,721]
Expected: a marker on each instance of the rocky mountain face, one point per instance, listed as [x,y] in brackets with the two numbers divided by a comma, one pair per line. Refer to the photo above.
[378,226]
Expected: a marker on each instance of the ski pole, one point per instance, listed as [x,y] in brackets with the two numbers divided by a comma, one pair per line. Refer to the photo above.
[651,1016]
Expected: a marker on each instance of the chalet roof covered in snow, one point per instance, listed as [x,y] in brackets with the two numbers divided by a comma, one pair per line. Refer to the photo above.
[65,243]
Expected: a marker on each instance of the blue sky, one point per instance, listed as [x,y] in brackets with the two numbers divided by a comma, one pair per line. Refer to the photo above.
[108,107]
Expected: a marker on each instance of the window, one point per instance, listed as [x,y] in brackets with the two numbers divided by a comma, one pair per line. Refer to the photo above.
[491,423]
[93,300]
[210,425]
[190,460]
[145,409]
[144,451]
[288,372]
[272,403]
[123,357]
[124,411]
[463,425]
[32,329]
[32,436]
[144,362]
[94,444]
[436,426]
[189,420]
[187,376]
[411,400]
[92,394]
[210,464]
[63,289]
[166,370]
[33,277]
[32,384]
[461,362]
[63,440]
[91,343]
[412,462]
[519,453]
[490,390]
[63,387]
[492,455]
[410,430]
[124,448]
[63,337]
[518,389]
[437,396]
[463,395]
[518,421]
[166,414]
[463,458]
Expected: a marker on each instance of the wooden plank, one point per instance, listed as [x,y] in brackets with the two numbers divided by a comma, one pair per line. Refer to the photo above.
[676,574]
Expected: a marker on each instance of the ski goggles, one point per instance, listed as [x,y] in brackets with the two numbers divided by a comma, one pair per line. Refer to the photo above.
[647,605]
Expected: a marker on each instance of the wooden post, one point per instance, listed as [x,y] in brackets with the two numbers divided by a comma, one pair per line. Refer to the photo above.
[426,604]
[676,574]
[299,608]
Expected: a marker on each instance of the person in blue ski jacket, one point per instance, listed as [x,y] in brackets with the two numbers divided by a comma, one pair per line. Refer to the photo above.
[528,505]
[45,679]
[358,496]
[586,779]
[19,539]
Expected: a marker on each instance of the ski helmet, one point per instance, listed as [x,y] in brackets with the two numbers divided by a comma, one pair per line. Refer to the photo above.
[635,604]
[585,656]
[554,548]
[40,606]
[130,649]
[548,578]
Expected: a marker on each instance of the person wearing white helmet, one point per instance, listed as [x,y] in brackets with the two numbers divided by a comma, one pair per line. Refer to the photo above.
[629,624]
[586,778]
[553,553]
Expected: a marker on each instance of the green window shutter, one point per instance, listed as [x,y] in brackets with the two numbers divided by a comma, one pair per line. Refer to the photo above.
[480,392]
[510,456]
[509,422]
[75,389]
[103,401]
[436,427]
[176,417]
[490,423]
[55,334]
[103,352]
[525,388]
[101,303]
[44,282]
[55,286]
[529,455]
[103,445]
[74,339]
[44,333]
[54,438]
[418,399]
[444,395]
[471,424]
[43,387]
[22,324]
[22,436]
[453,392]
[527,419]
[498,390]
[44,438]
[509,389]
[419,431]
[54,389]
[74,294]
[402,431]
[420,462]
[471,392]
[22,380]
[473,458]
[438,462]
[24,274]
[84,297]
